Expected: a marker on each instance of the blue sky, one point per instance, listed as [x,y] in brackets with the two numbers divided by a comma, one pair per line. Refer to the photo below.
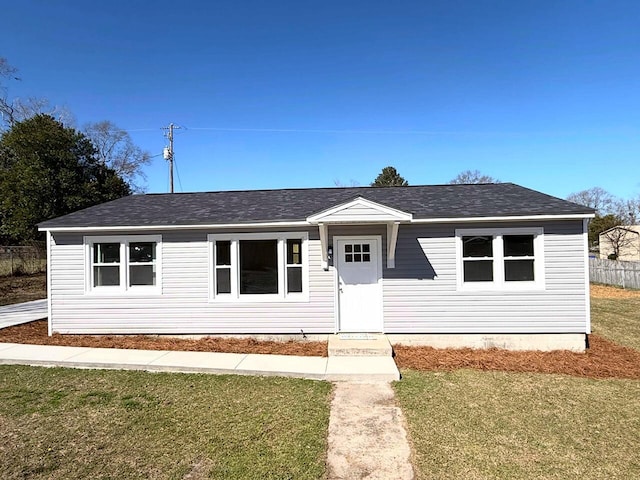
[302,93]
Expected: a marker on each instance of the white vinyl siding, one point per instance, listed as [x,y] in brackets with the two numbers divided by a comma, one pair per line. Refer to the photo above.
[184,306]
[421,294]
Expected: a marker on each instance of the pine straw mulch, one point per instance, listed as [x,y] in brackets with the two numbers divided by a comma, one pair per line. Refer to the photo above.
[604,359]
[36,333]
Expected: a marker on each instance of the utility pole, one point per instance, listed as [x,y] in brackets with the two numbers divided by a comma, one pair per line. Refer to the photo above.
[168,152]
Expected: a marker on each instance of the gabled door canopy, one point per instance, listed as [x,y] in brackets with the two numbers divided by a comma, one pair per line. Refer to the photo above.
[361,211]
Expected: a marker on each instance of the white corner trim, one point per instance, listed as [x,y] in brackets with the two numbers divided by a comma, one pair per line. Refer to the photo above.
[587,291]
[49,321]
[392,213]
[392,238]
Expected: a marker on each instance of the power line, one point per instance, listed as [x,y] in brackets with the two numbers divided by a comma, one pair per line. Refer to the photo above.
[305,130]
[355,131]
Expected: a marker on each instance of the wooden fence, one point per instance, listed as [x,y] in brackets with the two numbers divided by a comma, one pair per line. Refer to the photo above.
[614,272]
[21,260]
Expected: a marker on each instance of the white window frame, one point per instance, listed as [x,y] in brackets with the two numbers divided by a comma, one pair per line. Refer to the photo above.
[499,283]
[124,287]
[282,295]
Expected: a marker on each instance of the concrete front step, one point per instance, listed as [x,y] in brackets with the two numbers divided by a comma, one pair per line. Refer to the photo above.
[359,345]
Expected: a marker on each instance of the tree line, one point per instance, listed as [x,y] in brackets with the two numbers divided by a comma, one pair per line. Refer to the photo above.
[389,177]
[48,168]
[611,211]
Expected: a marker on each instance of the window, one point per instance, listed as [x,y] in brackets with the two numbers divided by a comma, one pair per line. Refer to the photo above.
[500,259]
[142,263]
[223,267]
[357,253]
[106,264]
[518,258]
[294,266]
[259,267]
[123,263]
[477,256]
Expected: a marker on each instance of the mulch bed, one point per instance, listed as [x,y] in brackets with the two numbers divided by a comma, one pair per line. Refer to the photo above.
[36,333]
[604,359]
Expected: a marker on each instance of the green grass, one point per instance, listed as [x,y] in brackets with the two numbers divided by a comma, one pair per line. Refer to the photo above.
[66,424]
[477,425]
[618,319]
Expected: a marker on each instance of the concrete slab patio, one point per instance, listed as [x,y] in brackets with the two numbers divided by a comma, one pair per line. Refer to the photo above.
[318,368]
[22,313]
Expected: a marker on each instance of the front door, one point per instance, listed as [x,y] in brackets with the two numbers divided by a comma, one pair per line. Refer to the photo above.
[359,269]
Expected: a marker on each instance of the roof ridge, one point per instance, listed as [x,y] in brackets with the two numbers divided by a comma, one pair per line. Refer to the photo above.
[358,187]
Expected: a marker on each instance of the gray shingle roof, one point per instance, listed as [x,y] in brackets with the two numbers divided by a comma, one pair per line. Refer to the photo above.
[251,206]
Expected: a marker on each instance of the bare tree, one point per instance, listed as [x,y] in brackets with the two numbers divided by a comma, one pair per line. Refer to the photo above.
[117,151]
[597,198]
[352,183]
[618,238]
[7,70]
[6,108]
[17,109]
[473,176]
[628,210]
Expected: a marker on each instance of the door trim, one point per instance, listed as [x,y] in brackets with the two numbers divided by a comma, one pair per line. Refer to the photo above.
[336,263]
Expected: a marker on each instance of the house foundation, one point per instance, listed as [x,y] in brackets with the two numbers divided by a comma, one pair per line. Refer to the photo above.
[575,342]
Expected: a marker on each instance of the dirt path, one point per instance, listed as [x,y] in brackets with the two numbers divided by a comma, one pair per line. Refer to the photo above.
[367,438]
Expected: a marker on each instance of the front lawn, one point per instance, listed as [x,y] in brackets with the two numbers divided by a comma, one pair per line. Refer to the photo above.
[479,425]
[58,423]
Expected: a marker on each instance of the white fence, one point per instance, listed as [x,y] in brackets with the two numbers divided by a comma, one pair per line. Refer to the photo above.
[614,272]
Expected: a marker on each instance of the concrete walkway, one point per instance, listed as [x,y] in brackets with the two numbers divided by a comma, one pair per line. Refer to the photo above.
[342,368]
[22,313]
[367,438]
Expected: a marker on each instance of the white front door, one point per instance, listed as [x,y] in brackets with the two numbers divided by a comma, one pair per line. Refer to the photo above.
[359,264]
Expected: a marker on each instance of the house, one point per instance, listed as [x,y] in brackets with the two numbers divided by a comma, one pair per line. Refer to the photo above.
[621,243]
[445,265]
